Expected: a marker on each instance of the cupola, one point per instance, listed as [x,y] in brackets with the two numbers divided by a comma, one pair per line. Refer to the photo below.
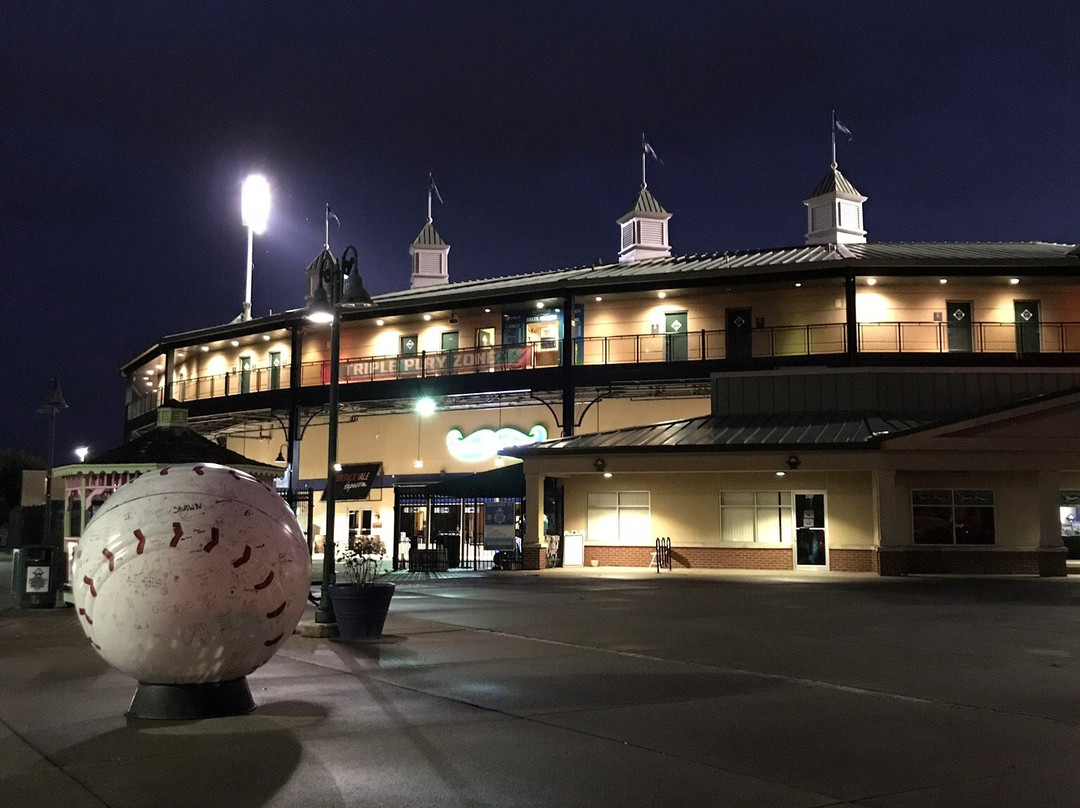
[643,230]
[429,257]
[429,252]
[834,213]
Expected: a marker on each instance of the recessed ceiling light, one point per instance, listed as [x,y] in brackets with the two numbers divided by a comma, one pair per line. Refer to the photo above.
[427,317]
[1014,281]
[661,295]
[235,343]
[871,281]
[487,311]
[781,473]
[798,286]
[205,348]
[943,281]
[266,337]
[598,298]
[380,322]
[540,304]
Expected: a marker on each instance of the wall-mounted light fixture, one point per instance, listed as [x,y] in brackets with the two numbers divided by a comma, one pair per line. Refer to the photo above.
[793,462]
[599,464]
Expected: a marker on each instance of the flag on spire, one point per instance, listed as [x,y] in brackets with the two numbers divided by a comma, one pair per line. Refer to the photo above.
[843,129]
[647,148]
[435,189]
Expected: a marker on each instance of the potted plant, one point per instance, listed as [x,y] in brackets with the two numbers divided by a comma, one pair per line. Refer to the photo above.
[361,601]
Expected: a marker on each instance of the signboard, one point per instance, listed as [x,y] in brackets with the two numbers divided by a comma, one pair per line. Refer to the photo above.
[499,526]
[484,444]
[461,360]
[37,579]
[354,481]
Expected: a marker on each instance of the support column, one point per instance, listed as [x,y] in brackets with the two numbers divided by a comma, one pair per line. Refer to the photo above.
[1052,553]
[890,518]
[532,552]
[852,324]
[292,448]
[569,416]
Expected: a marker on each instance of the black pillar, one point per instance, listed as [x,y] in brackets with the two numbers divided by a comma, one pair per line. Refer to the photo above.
[568,414]
[852,324]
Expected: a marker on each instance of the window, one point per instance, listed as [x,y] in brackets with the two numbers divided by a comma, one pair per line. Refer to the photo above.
[620,517]
[944,516]
[755,516]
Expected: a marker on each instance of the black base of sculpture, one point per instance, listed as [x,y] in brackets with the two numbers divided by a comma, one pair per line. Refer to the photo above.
[178,702]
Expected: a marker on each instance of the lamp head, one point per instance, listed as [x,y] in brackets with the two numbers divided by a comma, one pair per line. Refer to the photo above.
[255,203]
[353,293]
[320,311]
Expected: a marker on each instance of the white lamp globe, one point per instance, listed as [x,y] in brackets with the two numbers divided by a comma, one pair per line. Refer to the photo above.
[255,203]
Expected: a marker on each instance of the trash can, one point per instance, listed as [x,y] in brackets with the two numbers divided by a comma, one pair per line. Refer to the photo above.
[33,584]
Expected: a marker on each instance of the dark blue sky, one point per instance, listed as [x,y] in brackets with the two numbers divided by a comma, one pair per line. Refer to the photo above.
[127,128]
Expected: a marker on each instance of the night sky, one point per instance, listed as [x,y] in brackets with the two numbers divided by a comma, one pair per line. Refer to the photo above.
[127,128]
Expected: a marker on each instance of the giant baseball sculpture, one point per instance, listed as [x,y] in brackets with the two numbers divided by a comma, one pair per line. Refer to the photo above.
[188,579]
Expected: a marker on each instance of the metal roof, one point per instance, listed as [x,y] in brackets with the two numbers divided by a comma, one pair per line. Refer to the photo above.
[429,237]
[834,182]
[732,433]
[646,203]
[678,268]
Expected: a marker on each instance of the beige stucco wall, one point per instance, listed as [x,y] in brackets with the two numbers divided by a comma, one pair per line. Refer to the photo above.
[686,506]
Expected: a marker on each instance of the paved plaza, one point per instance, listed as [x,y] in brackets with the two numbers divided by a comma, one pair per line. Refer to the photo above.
[595,687]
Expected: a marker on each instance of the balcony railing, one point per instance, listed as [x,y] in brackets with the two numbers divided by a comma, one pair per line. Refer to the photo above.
[695,346]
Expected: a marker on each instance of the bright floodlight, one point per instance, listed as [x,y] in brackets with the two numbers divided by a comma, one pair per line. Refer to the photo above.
[81,453]
[425,406]
[255,203]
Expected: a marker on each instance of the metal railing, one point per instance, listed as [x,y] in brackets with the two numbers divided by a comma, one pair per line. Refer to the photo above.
[695,346]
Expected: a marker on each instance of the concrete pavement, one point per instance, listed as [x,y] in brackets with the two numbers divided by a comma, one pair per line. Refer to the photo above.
[592,687]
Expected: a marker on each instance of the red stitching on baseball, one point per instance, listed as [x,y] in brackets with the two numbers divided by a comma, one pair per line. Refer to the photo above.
[210,545]
[274,641]
[88,580]
[105,552]
[265,583]
[84,614]
[243,559]
[142,542]
[277,611]
[198,470]
[177,534]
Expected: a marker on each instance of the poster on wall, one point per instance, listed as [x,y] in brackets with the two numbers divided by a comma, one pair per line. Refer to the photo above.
[499,526]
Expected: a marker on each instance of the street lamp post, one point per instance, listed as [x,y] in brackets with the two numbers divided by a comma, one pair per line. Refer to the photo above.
[346,290]
[52,406]
[254,211]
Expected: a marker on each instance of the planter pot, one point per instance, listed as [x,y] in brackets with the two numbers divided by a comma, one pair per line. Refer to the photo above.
[361,609]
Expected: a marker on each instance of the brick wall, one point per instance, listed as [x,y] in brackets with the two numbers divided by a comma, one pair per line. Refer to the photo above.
[749,558]
[852,560]
[938,561]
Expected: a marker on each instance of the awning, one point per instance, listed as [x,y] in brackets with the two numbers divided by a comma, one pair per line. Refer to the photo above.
[507,482]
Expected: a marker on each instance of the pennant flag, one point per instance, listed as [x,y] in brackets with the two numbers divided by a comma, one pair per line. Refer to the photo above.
[331,215]
[649,150]
[841,128]
[435,189]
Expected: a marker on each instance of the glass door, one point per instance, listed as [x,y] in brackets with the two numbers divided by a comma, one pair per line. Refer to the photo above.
[810,530]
